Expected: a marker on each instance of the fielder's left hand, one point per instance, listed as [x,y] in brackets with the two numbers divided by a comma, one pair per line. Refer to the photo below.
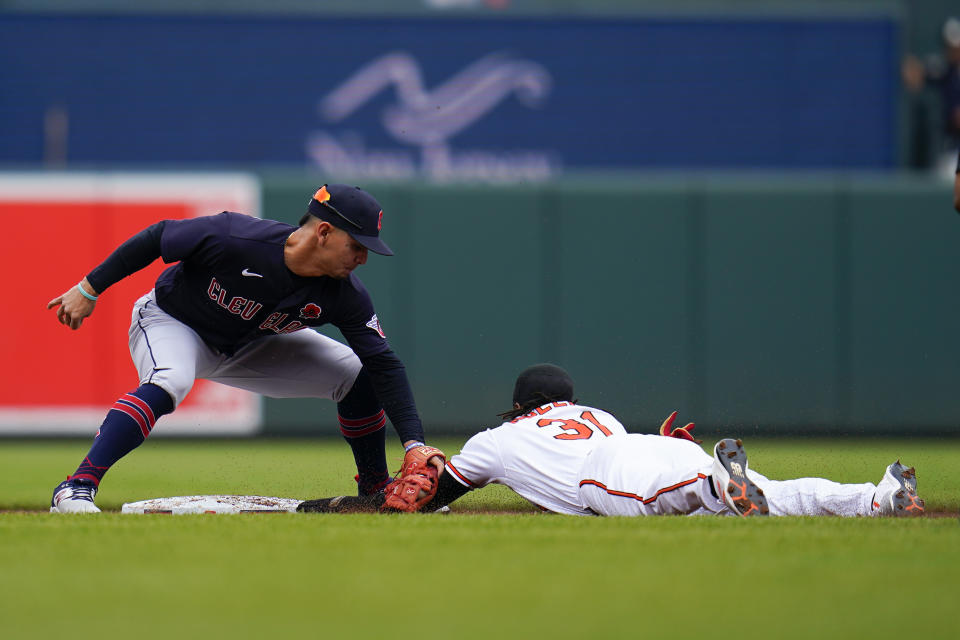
[73,305]
[417,481]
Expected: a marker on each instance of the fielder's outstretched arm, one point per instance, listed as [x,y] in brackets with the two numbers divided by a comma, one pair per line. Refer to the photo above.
[78,302]
[390,383]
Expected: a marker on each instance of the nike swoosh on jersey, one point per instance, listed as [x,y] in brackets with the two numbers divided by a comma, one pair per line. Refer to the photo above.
[250,274]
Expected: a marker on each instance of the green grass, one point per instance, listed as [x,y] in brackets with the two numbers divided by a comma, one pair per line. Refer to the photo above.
[287,468]
[467,574]
[314,468]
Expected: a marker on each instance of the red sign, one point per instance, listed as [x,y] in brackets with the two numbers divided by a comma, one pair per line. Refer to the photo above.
[58,379]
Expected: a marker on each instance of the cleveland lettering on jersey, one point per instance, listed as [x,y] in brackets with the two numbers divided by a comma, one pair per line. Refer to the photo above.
[247,309]
[242,307]
[275,319]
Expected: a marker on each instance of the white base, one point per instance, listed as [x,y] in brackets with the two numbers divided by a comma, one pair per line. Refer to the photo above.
[213,504]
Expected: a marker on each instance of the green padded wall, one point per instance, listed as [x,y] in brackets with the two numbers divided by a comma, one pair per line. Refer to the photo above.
[749,304]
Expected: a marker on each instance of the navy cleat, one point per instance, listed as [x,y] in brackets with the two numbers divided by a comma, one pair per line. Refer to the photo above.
[74,496]
[372,486]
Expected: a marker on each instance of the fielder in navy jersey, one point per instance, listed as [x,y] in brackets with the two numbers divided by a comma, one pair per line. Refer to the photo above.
[233,309]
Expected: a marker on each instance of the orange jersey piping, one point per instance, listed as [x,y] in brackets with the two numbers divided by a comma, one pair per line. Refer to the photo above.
[633,496]
[459,476]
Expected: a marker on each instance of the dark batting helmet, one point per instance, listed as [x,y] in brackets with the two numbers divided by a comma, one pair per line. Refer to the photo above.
[543,383]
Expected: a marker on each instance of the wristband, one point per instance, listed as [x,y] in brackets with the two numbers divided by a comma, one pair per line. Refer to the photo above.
[412,445]
[85,294]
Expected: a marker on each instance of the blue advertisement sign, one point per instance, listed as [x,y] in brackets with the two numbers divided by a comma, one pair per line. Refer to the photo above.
[449,98]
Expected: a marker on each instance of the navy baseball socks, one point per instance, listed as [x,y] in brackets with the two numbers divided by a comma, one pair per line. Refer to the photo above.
[367,438]
[363,425]
[128,423]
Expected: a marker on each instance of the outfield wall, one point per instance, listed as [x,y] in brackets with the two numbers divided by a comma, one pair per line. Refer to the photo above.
[817,304]
[749,304]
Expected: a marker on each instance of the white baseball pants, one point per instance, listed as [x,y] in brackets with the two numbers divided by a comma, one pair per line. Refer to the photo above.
[640,475]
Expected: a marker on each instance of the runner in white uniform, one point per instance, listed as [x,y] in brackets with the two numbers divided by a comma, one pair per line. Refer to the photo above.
[574,459]
[538,455]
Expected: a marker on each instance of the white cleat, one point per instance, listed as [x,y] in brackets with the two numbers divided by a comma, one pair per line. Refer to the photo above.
[896,494]
[74,496]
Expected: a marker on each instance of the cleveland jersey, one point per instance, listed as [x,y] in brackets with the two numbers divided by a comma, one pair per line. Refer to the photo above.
[231,286]
[538,455]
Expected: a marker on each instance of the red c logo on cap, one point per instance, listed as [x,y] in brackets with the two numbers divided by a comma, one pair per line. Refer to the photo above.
[380,221]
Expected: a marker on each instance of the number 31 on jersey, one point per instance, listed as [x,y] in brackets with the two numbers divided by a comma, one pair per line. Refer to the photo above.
[574,429]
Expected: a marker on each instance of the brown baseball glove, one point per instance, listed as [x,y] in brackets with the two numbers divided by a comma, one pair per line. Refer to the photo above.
[416,483]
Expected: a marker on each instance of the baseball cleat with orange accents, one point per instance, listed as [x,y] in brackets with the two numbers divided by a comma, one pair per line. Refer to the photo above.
[731,482]
[896,494]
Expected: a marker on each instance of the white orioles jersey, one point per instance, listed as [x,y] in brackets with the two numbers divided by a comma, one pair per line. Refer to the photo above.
[538,455]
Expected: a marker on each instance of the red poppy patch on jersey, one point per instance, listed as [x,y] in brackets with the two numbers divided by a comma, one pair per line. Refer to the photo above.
[310,312]
[375,325]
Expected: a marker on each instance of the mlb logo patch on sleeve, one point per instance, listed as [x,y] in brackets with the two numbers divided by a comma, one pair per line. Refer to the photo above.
[374,324]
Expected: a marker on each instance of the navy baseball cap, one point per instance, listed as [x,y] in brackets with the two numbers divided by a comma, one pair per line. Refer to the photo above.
[548,380]
[353,210]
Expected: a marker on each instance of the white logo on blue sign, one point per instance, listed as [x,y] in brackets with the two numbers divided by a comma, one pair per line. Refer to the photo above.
[429,118]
